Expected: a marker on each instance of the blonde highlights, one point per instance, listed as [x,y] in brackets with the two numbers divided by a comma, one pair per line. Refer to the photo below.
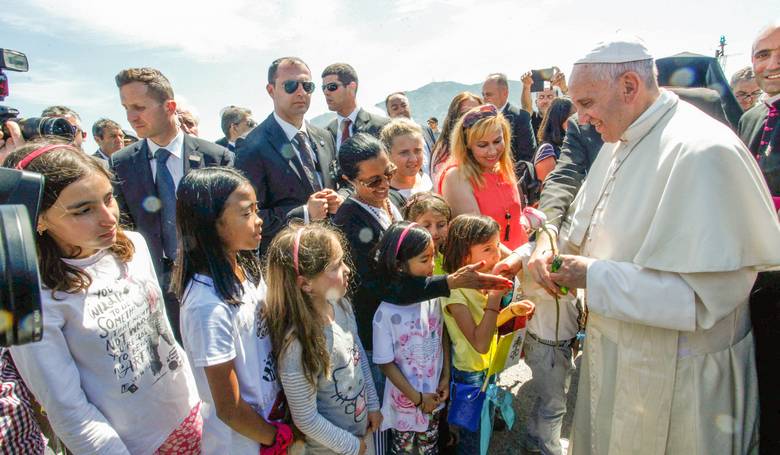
[462,140]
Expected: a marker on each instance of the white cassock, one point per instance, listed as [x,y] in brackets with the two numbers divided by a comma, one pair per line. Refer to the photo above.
[680,220]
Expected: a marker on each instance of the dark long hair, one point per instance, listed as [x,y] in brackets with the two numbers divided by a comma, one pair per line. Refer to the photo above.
[61,167]
[391,265]
[200,202]
[466,231]
[441,149]
[551,129]
[360,147]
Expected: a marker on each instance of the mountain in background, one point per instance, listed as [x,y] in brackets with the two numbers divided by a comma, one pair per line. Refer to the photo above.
[431,100]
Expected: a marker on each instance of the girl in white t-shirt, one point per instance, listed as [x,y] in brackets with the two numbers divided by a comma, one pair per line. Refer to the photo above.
[107,370]
[410,346]
[218,281]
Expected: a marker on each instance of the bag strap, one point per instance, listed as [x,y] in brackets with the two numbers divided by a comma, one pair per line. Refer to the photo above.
[490,362]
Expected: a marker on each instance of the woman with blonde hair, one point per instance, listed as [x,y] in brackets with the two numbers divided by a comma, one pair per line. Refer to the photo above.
[479,177]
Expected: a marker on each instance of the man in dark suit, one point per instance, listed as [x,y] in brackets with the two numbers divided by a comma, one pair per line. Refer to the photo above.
[289,161]
[340,85]
[759,129]
[109,137]
[495,90]
[236,122]
[149,170]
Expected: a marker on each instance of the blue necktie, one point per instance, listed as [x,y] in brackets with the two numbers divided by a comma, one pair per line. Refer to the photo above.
[166,191]
[307,159]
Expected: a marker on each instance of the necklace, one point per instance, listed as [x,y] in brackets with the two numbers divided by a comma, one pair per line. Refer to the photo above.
[378,211]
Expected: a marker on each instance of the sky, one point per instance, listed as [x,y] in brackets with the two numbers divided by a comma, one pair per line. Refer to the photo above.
[217,53]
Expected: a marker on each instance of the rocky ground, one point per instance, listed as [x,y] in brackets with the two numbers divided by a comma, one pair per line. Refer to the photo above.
[515,380]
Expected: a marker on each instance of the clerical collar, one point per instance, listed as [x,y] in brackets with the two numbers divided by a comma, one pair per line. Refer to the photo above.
[352,117]
[289,129]
[175,146]
[649,117]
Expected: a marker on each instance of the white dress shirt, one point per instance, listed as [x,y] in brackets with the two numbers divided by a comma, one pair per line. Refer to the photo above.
[340,128]
[175,161]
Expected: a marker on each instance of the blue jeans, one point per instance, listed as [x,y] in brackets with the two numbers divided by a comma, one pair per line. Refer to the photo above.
[468,442]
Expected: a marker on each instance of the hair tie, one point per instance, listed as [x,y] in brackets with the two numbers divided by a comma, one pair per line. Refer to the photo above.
[402,237]
[296,245]
[36,153]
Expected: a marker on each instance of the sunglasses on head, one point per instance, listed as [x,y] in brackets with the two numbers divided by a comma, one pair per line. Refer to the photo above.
[477,114]
[291,86]
[332,86]
[377,181]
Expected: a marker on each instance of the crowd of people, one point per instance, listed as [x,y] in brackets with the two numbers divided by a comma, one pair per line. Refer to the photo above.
[294,289]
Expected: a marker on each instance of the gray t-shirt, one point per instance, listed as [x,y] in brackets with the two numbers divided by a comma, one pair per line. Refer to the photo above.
[334,413]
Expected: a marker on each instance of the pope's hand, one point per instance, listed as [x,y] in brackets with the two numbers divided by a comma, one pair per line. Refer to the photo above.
[573,272]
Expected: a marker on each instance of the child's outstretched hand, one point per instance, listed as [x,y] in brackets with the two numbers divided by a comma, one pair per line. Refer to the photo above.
[429,402]
[374,421]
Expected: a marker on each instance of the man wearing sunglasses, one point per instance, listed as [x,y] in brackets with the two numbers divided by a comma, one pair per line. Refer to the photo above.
[79,135]
[236,122]
[288,160]
[340,84]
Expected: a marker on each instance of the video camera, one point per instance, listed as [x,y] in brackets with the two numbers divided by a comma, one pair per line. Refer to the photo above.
[34,126]
[20,197]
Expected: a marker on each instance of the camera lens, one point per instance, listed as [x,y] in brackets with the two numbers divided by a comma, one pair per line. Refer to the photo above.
[46,126]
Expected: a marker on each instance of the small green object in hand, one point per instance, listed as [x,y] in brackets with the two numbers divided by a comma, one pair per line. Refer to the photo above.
[554,267]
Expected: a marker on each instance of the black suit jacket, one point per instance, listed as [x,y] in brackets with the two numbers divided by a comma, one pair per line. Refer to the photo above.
[523,140]
[224,143]
[751,127]
[269,161]
[134,185]
[365,122]
[580,148]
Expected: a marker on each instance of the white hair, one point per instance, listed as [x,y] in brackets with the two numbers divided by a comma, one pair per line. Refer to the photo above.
[612,71]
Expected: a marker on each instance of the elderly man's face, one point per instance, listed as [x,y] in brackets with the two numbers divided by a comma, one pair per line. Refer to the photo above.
[747,93]
[599,103]
[494,93]
[766,61]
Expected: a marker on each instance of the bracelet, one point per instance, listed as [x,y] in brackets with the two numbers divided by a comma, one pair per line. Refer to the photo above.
[421,400]
[492,309]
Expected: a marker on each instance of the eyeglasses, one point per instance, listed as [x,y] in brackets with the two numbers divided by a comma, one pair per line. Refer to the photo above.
[477,114]
[745,95]
[376,182]
[332,86]
[291,86]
